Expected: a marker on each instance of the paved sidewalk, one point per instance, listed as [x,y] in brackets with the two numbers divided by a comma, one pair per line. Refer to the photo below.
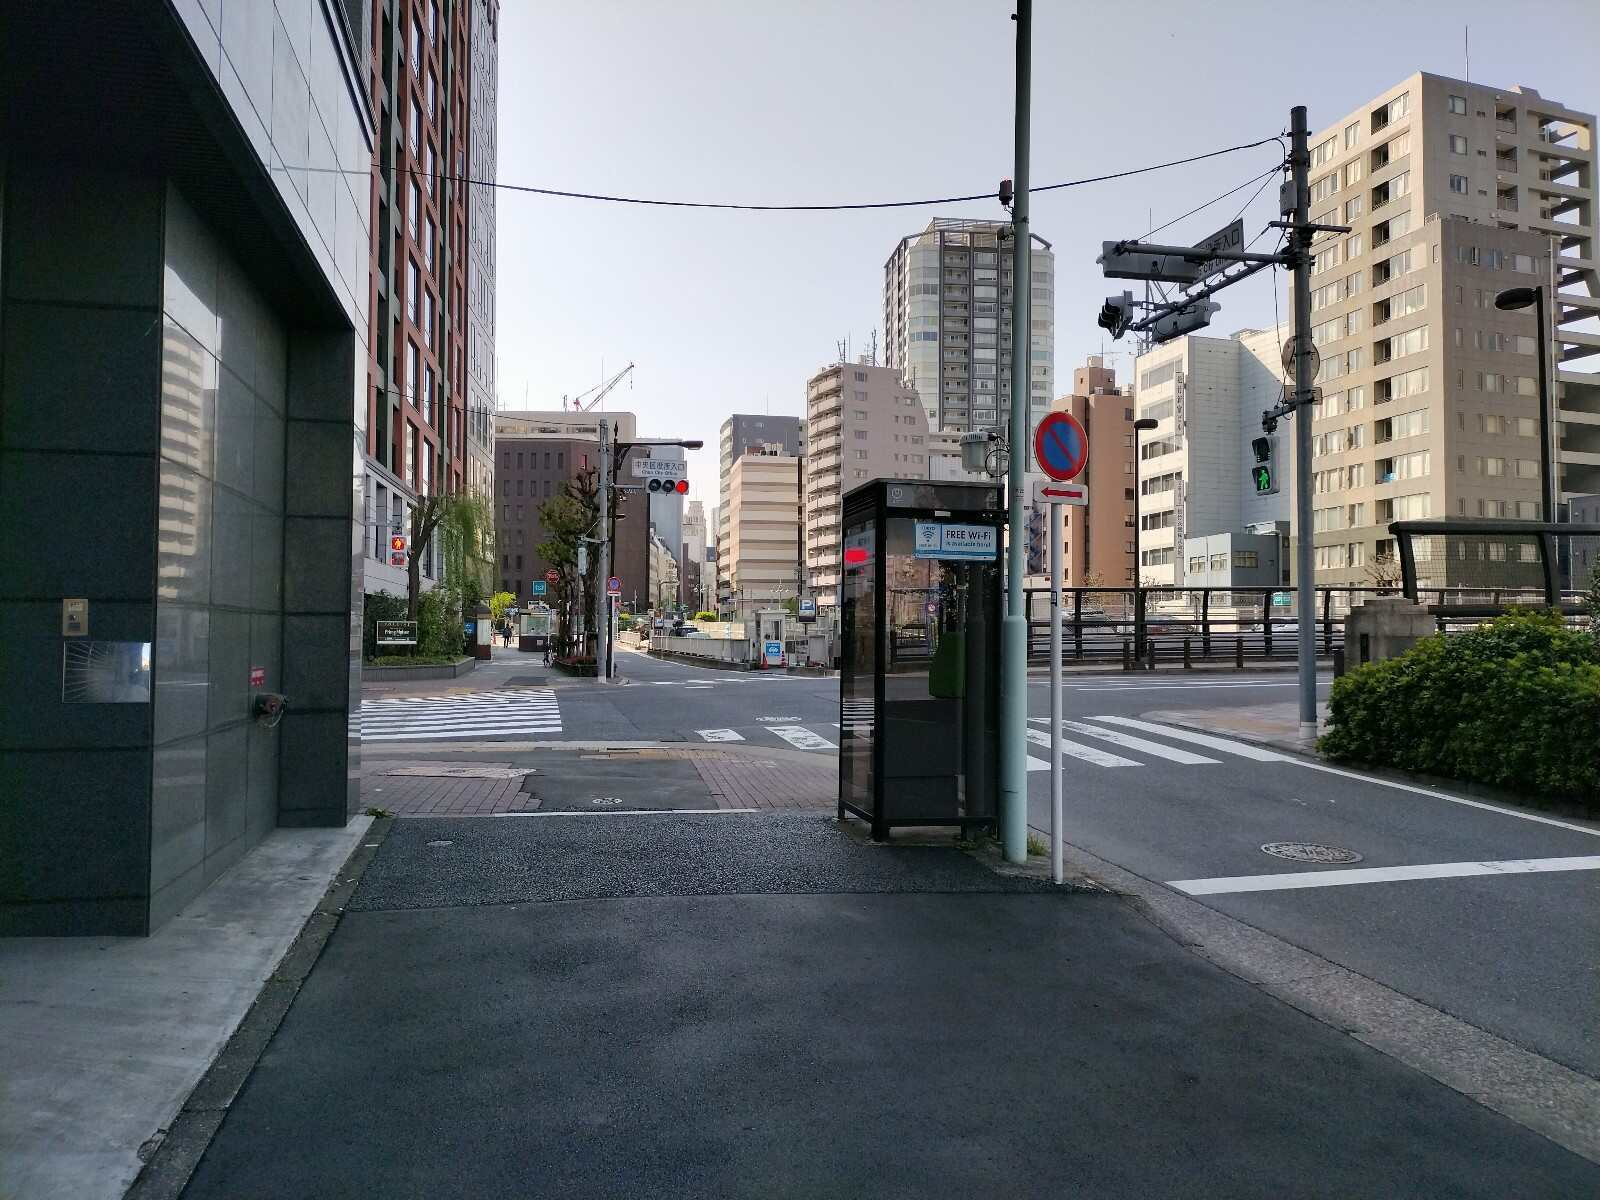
[739,1004]
[101,1039]
[1275,725]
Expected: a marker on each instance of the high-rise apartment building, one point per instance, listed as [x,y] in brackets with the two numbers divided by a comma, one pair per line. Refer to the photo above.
[947,323]
[1097,545]
[1206,395]
[741,433]
[763,559]
[424,65]
[1454,191]
[862,422]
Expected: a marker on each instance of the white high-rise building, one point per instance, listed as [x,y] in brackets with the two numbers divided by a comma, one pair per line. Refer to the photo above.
[1207,395]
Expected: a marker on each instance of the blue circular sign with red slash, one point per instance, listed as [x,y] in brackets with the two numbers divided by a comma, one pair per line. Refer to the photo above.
[1061,446]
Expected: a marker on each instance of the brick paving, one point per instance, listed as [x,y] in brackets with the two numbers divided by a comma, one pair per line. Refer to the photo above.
[739,782]
[441,795]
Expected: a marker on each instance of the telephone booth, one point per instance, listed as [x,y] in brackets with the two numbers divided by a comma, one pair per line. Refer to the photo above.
[919,681]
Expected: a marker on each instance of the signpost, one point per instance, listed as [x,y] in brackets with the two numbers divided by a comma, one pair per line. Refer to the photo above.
[1230,238]
[807,610]
[538,587]
[614,586]
[396,633]
[1061,448]
[552,575]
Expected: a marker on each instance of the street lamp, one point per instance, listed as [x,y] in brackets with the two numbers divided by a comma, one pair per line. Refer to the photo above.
[1513,300]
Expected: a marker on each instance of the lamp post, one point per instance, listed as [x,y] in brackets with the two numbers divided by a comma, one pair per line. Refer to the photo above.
[1513,300]
[1142,425]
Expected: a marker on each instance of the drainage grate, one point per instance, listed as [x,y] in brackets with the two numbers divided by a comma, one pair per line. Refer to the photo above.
[1310,852]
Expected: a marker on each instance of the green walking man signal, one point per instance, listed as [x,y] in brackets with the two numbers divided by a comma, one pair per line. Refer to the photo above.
[1262,474]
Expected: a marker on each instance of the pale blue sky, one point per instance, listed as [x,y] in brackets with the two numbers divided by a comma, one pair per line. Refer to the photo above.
[762,101]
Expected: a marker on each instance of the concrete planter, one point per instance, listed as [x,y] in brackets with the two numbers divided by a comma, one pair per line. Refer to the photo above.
[455,670]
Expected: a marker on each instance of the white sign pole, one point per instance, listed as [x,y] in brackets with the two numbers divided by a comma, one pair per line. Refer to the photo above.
[1056,871]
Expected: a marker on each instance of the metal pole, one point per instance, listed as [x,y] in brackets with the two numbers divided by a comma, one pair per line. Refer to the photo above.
[1014,626]
[1300,242]
[602,604]
[1137,485]
[1546,458]
[1056,832]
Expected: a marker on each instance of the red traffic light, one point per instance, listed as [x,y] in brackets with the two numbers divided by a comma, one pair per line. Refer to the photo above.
[683,486]
[397,542]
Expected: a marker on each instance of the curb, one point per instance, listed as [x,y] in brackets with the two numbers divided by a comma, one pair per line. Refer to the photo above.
[168,1170]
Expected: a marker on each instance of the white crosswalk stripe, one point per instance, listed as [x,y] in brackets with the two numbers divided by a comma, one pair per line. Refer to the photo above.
[1129,742]
[801,738]
[856,715]
[472,714]
[1092,754]
[1225,745]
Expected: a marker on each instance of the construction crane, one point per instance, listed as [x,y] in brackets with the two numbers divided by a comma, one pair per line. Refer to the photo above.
[581,403]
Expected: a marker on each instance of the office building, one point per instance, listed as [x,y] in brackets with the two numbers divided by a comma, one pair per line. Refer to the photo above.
[862,422]
[1097,538]
[185,317]
[695,589]
[763,522]
[483,57]
[1454,192]
[529,473]
[1206,395]
[740,433]
[431,271]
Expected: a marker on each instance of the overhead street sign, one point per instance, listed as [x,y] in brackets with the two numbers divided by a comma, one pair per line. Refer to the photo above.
[1230,238]
[1129,262]
[660,468]
[1051,492]
[1061,446]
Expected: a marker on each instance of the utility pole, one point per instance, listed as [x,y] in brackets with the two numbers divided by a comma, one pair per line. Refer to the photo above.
[1300,235]
[602,608]
[1014,627]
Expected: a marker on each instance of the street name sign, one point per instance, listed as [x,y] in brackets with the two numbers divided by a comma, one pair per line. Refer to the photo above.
[660,468]
[1229,238]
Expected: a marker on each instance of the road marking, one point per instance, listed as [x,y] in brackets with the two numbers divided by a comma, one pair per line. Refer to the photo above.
[1100,758]
[777,720]
[1242,749]
[1167,687]
[720,735]
[802,738]
[1438,795]
[1315,879]
[697,687]
[631,812]
[1172,753]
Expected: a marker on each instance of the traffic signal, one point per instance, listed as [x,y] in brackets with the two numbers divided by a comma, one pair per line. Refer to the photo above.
[1197,316]
[1262,474]
[1116,314]
[680,486]
[397,549]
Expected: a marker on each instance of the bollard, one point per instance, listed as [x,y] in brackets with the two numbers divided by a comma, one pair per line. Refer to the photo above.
[1187,660]
[1238,653]
[1127,657]
[1338,661]
[1150,655]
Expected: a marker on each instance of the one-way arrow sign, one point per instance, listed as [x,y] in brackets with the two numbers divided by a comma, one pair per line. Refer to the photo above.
[1048,491]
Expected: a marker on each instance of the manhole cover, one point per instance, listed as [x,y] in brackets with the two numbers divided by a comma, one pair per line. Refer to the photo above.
[441,842]
[1310,852]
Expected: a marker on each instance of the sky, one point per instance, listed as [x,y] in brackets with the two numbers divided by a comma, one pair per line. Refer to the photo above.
[844,101]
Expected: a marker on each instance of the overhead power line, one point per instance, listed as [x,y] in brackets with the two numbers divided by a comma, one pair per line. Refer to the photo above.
[565,194]
[1261,179]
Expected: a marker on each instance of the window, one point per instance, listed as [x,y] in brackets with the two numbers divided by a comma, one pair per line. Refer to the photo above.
[1331,557]
[1322,188]
[1458,144]
[1405,508]
[1324,520]
[411,371]
[1352,246]
[1412,341]
[1391,189]
[1352,208]
[1388,230]
[1458,105]
[427,393]
[1352,132]
[1401,425]
[1219,562]
[1352,172]
[1407,383]
[1402,466]
[415,209]
[411,454]
[1156,376]
[1459,185]
[860,455]
[416,127]
[1246,558]
[1326,260]
[433,19]
[427,319]
[416,44]
[430,241]
[1324,152]
[413,290]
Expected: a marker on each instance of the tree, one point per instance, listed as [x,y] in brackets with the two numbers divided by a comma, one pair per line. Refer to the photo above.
[464,523]
[1384,572]
[498,603]
[567,518]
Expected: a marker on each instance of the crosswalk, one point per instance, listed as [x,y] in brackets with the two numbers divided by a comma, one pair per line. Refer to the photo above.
[525,711]
[1094,728]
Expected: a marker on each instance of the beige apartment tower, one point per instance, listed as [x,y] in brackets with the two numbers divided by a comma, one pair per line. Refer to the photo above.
[1454,192]
[862,422]
[1097,546]
[763,525]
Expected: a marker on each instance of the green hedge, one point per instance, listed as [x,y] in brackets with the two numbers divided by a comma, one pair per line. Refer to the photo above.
[439,630]
[1514,703]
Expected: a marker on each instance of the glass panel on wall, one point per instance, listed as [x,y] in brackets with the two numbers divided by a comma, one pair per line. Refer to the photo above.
[859,629]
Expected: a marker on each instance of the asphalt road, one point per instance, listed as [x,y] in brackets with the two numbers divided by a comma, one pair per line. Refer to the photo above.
[1509,951]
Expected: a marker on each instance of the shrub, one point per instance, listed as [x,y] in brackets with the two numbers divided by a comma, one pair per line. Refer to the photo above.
[378,606]
[1514,703]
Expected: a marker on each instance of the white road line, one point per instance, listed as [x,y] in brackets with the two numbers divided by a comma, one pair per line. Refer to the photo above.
[802,738]
[1315,879]
[1167,687]
[1171,753]
[720,735]
[1242,749]
[1100,758]
[1438,795]
[632,812]
[416,735]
